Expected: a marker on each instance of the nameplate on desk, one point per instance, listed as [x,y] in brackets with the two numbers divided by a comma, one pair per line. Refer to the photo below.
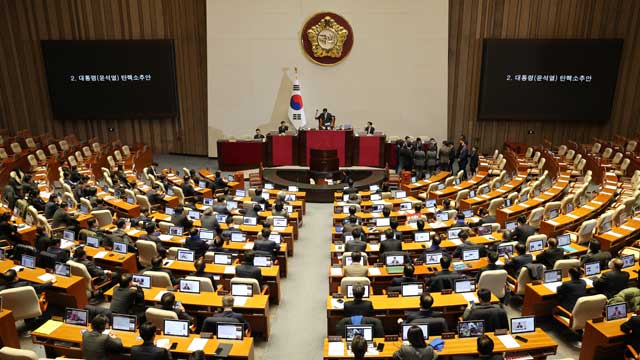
[448,335]
[610,187]
[589,207]
[573,216]
[596,202]
[628,228]
[614,234]
[507,211]
[553,222]
[446,291]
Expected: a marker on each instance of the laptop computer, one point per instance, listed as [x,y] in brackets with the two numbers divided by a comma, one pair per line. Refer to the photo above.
[375,197]
[237,236]
[524,197]
[627,260]
[452,233]
[240,193]
[441,186]
[229,331]
[176,230]
[472,193]
[277,238]
[222,259]
[400,194]
[207,201]
[93,242]
[464,286]
[383,222]
[406,206]
[430,203]
[245,290]
[524,324]
[74,316]
[377,208]
[62,269]
[292,188]
[470,255]
[28,261]
[536,245]
[412,289]
[262,261]
[616,311]
[511,225]
[348,260]
[189,286]
[421,236]
[468,329]
[350,292]
[374,188]
[221,218]
[290,197]
[564,242]
[432,258]
[249,220]
[169,211]
[467,213]
[503,250]
[186,255]
[366,331]
[394,264]
[142,280]
[176,328]
[484,230]
[551,276]
[193,215]
[280,222]
[231,205]
[553,213]
[592,269]
[442,216]
[123,322]
[423,327]
[69,235]
[206,234]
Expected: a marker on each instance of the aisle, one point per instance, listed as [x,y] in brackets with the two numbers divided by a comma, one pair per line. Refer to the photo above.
[298,324]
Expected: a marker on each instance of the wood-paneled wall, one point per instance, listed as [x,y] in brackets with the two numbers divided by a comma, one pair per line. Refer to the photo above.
[24,97]
[470,21]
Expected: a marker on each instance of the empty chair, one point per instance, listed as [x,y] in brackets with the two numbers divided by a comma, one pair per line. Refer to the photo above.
[616,159]
[586,308]
[631,146]
[579,168]
[72,160]
[64,145]
[535,217]
[23,302]
[159,279]
[462,194]
[595,149]
[3,154]
[103,217]
[158,316]
[42,157]
[562,149]
[9,353]
[569,155]
[248,281]
[622,170]
[117,155]
[126,151]
[495,281]
[449,181]
[79,157]
[585,232]
[164,226]
[494,205]
[550,207]
[147,250]
[111,162]
[96,147]
[536,158]
[565,265]
[205,283]
[87,152]
[604,222]
[524,277]
[501,164]
[606,154]
[31,144]
[538,169]
[528,153]
[16,148]
[513,197]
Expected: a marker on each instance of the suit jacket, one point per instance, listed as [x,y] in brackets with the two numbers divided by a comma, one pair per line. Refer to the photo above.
[519,261]
[602,256]
[632,328]
[283,129]
[188,190]
[18,284]
[494,316]
[611,282]
[325,118]
[419,158]
[421,314]
[62,255]
[358,307]
[249,271]
[469,246]
[50,209]
[266,246]
[464,155]
[408,352]
[196,244]
[398,281]
[93,269]
[124,299]
[148,351]
[62,218]
[181,220]
[522,232]
[549,257]
[355,245]
[570,291]
[443,280]
[486,220]
[390,245]
[370,130]
[97,346]
[355,269]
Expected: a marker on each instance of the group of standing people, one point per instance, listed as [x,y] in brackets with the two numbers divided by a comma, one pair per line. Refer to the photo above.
[426,157]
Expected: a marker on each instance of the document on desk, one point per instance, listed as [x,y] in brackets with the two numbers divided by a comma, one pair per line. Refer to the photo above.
[100,254]
[573,216]
[374,247]
[374,271]
[163,343]
[553,286]
[336,348]
[66,244]
[335,304]
[470,296]
[336,271]
[457,242]
[239,300]
[508,341]
[48,327]
[588,207]
[628,228]
[507,210]
[248,246]
[588,281]
[46,277]
[165,237]
[133,232]
[614,234]
[231,270]
[159,295]
[197,344]
[552,222]
[549,193]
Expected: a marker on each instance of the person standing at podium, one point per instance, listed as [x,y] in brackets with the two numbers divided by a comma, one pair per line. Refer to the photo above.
[325,119]
[258,135]
[369,130]
[282,128]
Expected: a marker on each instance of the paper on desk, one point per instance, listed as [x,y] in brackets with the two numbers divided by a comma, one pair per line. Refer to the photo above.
[336,271]
[248,246]
[553,286]
[100,254]
[470,296]
[239,300]
[165,237]
[507,210]
[552,222]
[278,229]
[548,193]
[500,262]
[66,244]
[197,344]
[573,216]
[45,194]
[335,304]
[107,198]
[17,268]
[588,207]
[46,277]
[48,327]
[159,295]
[588,281]
[374,271]
[508,341]
[374,247]
[614,234]
[629,228]
[336,348]
[229,269]
[163,343]
[456,241]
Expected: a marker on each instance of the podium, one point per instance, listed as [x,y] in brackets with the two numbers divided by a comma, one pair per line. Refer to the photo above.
[339,140]
[323,162]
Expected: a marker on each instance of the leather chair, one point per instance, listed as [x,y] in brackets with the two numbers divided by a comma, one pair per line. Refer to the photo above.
[159,279]
[93,286]
[586,308]
[146,252]
[495,281]
[205,283]
[9,353]
[565,265]
[158,316]
[353,280]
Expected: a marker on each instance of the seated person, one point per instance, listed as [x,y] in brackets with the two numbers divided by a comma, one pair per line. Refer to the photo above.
[180,219]
[61,218]
[247,269]
[523,231]
[155,195]
[570,291]
[358,306]
[353,199]
[168,302]
[417,348]
[594,254]
[485,218]
[514,263]
[195,243]
[208,219]
[126,296]
[356,244]
[494,316]
[392,243]
[257,198]
[148,350]
[156,265]
[463,235]
[393,224]
[120,235]
[359,347]
[485,349]
[425,312]
[279,210]
[612,282]
[459,220]
[226,313]
[434,248]
[355,269]
[11,281]
[632,328]
[446,205]
[200,266]
[99,346]
[407,277]
[552,254]
[153,234]
[262,243]
[80,256]
[492,257]
[252,211]
[62,255]
[444,278]
[351,189]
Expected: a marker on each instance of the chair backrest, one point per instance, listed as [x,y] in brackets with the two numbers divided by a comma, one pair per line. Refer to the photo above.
[495,227]
[548,207]
[462,194]
[117,154]
[32,160]
[143,201]
[541,163]
[631,146]
[158,316]
[64,145]
[494,280]
[53,150]
[537,237]
[177,191]
[535,217]
[131,194]
[22,301]
[164,226]
[247,281]
[103,217]
[513,197]
[86,151]
[111,162]
[449,181]
[587,308]
[607,153]
[625,165]
[78,269]
[432,187]
[70,199]
[565,265]
[31,144]
[96,147]
[585,232]
[364,255]
[146,251]
[565,202]
[205,283]
[3,153]
[126,151]
[16,148]
[159,279]
[617,158]
[353,280]
[577,158]
[494,205]
[536,157]
[72,160]
[605,218]
[562,149]
[524,278]
[41,155]
[595,149]
[209,325]
[581,165]
[9,353]
[528,153]
[172,252]
[437,325]
[86,203]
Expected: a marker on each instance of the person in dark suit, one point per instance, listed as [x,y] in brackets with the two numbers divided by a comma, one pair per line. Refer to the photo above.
[180,219]
[444,278]
[358,306]
[614,281]
[196,244]
[514,263]
[632,328]
[283,128]
[485,349]
[492,257]
[522,231]
[156,265]
[62,255]
[126,297]
[434,248]
[80,256]
[155,195]
[208,220]
[51,206]
[406,154]
[552,254]
[258,135]
[325,118]
[350,189]
[99,346]
[219,182]
[369,129]
[8,230]
[168,302]
[188,190]
[257,198]
[570,291]
[463,236]
[247,269]
[474,160]
[148,350]
[152,234]
[426,301]
[594,254]
[419,162]
[262,243]
[200,266]
[391,243]
[407,276]
[356,244]
[228,313]
[463,158]
[63,219]
[485,218]
[494,316]
[11,281]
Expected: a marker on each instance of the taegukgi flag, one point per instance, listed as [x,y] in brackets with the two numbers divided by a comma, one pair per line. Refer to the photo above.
[296,109]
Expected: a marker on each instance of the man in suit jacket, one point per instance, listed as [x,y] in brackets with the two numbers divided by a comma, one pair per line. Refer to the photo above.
[227,312]
[463,236]
[426,301]
[485,349]
[200,266]
[196,244]
[180,219]
[570,291]
[208,219]
[80,256]
[445,278]
[51,206]
[632,328]
[155,195]
[614,281]
[369,130]
[156,265]
[258,135]
[258,197]
[125,297]
[148,350]
[552,254]
[62,255]
[494,316]
[358,306]
[391,243]
[152,234]
[11,281]
[325,119]
[492,256]
[99,346]
[594,254]
[63,219]
[523,231]
[283,128]
[247,269]
[407,276]
[419,161]
[485,218]
[463,158]
[356,244]
[355,268]
[514,263]
[262,243]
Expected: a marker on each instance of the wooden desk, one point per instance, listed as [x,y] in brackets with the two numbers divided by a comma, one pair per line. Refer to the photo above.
[65,291]
[8,332]
[484,199]
[178,181]
[620,236]
[72,337]
[451,191]
[112,260]
[540,344]
[131,210]
[603,340]
[413,189]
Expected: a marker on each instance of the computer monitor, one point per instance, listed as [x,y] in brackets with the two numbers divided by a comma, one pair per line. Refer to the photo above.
[186,255]
[569,208]
[176,230]
[394,260]
[627,260]
[194,215]
[1,254]
[468,329]
[551,276]
[28,261]
[452,233]
[511,225]
[366,331]
[229,331]
[457,181]
[467,213]
[221,218]
[484,230]
[406,206]
[524,324]
[290,197]
[430,203]
[345,197]
[69,235]
[382,222]
[206,234]
[606,226]
[421,236]
[279,222]
[242,290]
[123,322]
[120,247]
[616,311]
[375,197]
[413,179]
[503,250]
[470,255]
[237,236]
[423,327]
[377,208]
[442,216]
[176,328]
[472,193]
[486,190]
[249,220]
[374,188]
[524,197]
[432,258]
[202,184]
[189,286]
[74,316]
[464,286]
[142,280]
[84,209]
[553,213]
[232,204]
[348,237]
[592,268]
[169,211]
[262,261]
[412,289]
[441,186]
[230,178]
[93,242]
[507,202]
[350,291]
[400,194]
[207,201]
[62,269]
[131,200]
[222,259]
[292,188]
[277,238]
[240,193]
[536,245]
[348,260]
[564,239]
